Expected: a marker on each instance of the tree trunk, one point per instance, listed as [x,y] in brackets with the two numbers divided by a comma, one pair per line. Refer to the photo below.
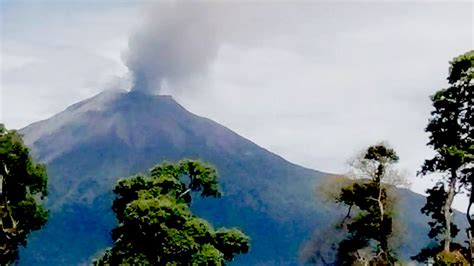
[470,230]
[447,210]
[383,235]
[383,241]
[471,202]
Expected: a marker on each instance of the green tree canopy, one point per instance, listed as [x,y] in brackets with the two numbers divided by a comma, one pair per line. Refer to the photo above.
[157,227]
[22,186]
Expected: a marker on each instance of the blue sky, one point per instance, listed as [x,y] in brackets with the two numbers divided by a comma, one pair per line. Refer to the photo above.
[312,81]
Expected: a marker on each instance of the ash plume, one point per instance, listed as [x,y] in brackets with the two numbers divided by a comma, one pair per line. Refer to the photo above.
[177,41]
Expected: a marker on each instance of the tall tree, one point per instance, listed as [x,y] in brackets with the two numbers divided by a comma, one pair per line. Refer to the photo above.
[461,76]
[370,229]
[450,130]
[156,226]
[22,186]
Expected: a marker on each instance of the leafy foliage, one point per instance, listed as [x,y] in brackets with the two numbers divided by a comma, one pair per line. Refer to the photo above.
[156,226]
[22,185]
[370,229]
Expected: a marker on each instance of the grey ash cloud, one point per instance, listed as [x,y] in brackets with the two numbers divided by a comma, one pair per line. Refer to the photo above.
[176,42]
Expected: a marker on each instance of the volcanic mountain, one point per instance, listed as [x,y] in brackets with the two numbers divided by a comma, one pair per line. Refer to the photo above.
[115,134]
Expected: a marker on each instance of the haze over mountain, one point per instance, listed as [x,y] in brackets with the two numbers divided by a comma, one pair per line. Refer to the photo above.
[91,144]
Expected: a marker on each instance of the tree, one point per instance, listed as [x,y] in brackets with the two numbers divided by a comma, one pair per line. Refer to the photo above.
[156,226]
[22,187]
[450,130]
[370,229]
[461,82]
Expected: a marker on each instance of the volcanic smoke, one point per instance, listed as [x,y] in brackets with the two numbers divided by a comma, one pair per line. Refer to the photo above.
[177,41]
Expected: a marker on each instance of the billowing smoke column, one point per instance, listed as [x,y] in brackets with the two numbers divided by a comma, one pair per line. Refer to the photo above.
[180,39]
[177,41]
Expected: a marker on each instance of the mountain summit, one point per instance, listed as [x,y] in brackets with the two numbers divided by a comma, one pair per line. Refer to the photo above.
[114,134]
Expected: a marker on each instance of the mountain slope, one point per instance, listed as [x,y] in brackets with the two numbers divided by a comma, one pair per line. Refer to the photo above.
[115,134]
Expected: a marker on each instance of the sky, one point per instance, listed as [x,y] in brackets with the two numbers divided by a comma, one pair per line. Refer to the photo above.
[315,82]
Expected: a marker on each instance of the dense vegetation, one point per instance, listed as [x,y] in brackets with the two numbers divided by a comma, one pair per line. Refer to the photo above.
[156,226]
[22,186]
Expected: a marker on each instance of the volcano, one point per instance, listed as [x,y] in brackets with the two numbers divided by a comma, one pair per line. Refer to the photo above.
[114,134]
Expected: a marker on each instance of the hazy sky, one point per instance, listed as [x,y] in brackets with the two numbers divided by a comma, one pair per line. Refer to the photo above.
[312,81]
